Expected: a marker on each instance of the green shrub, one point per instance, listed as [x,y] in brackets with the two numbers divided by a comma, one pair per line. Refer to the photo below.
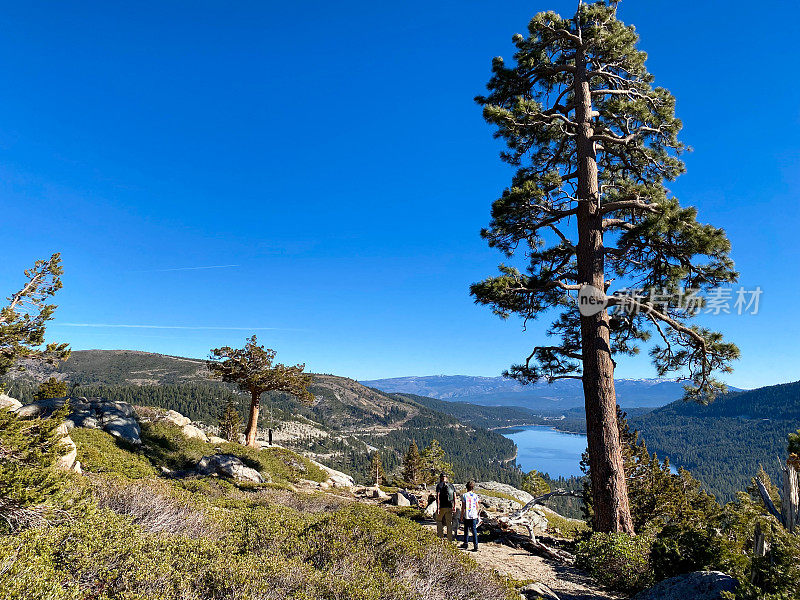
[617,560]
[145,538]
[357,552]
[32,490]
[156,506]
[534,484]
[104,556]
[164,444]
[100,452]
[279,464]
[775,576]
[677,549]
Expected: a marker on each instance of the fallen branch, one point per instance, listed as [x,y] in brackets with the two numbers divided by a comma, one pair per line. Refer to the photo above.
[504,534]
[541,499]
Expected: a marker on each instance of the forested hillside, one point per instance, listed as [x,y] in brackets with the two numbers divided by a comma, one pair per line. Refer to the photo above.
[480,416]
[723,444]
[356,418]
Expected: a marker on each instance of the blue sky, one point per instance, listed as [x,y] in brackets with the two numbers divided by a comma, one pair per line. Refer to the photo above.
[328,160]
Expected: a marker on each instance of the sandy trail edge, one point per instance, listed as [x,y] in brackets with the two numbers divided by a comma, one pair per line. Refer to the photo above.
[566,581]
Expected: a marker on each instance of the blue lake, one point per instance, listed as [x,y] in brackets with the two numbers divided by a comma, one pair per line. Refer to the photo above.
[547,450]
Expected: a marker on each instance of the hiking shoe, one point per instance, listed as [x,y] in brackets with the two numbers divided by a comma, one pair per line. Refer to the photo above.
[463,546]
[475,549]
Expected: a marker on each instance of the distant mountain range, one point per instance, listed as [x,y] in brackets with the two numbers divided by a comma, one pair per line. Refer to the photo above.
[500,391]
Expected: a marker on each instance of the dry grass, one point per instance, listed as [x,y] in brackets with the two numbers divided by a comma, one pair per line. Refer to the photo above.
[154,507]
[17,517]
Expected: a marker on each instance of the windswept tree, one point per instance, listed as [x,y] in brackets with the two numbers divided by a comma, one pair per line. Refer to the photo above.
[252,368]
[23,319]
[593,143]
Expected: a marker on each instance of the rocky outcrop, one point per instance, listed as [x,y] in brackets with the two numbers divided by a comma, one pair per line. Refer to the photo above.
[9,402]
[371,492]
[176,418]
[399,499]
[537,591]
[377,493]
[190,431]
[114,417]
[230,466]
[188,428]
[68,460]
[336,478]
[509,490]
[700,585]
[292,431]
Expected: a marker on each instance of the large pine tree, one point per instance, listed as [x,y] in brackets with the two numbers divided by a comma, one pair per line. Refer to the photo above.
[593,143]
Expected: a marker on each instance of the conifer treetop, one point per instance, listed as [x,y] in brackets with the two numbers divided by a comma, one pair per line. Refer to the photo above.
[23,319]
[649,241]
[254,371]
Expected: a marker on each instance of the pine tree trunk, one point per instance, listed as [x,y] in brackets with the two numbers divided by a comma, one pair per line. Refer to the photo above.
[252,423]
[609,490]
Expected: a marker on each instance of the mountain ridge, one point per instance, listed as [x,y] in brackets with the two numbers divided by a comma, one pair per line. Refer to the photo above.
[501,391]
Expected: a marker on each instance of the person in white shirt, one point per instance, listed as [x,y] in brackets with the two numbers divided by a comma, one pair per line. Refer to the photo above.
[469,516]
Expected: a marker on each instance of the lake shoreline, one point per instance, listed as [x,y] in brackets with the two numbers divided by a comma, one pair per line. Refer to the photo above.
[547,449]
[523,425]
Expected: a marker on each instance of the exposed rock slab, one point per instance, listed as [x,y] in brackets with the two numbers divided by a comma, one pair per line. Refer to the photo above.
[336,478]
[509,490]
[68,460]
[399,499]
[114,417]
[190,431]
[9,402]
[536,590]
[228,465]
[176,418]
[700,585]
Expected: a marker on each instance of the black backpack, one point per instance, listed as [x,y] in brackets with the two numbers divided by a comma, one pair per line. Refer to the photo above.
[450,490]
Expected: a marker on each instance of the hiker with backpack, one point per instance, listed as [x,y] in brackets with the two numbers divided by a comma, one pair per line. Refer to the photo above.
[470,516]
[445,503]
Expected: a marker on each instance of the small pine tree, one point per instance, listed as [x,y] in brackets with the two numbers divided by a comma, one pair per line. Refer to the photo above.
[534,484]
[376,472]
[433,463]
[230,422]
[412,465]
[52,388]
[30,486]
